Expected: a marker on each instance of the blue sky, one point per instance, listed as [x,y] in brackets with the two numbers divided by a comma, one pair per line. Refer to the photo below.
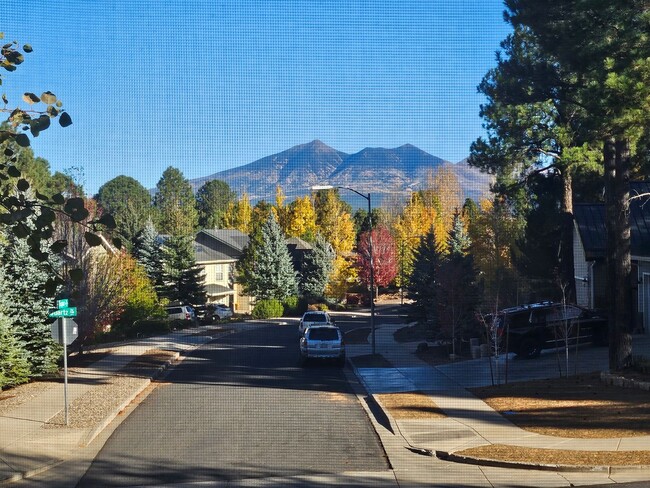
[206,85]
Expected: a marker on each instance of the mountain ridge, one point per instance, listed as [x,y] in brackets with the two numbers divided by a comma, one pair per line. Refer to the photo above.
[377,170]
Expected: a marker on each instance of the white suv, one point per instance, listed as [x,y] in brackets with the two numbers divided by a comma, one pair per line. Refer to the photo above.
[181,312]
[322,342]
[315,317]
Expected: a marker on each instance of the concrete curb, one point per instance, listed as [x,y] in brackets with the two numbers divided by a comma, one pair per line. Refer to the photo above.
[18,476]
[120,408]
[562,468]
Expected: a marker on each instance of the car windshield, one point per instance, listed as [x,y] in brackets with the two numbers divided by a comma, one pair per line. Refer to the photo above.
[323,334]
[315,317]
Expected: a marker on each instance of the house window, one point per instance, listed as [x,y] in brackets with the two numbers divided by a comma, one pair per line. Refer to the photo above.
[218,272]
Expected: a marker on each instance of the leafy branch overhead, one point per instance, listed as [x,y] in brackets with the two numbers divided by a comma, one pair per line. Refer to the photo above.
[26,212]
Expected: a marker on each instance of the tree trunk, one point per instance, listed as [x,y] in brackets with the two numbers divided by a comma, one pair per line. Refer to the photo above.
[617,189]
[565,256]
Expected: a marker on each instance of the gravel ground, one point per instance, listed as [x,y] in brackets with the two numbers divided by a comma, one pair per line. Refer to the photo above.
[95,405]
[20,394]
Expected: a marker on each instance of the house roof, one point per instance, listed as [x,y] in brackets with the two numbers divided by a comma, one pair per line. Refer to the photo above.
[590,221]
[231,237]
[218,290]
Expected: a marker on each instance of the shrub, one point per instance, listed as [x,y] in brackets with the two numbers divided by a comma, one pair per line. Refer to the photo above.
[295,306]
[265,309]
[319,306]
[151,327]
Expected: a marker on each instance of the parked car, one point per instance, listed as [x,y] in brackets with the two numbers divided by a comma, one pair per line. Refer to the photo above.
[527,329]
[314,317]
[212,312]
[322,342]
[181,312]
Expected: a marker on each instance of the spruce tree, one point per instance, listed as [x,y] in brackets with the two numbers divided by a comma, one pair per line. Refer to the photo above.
[148,253]
[183,278]
[266,270]
[316,269]
[24,300]
[424,282]
[458,241]
[14,365]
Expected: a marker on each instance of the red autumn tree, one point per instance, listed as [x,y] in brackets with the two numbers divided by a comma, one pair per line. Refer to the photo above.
[384,257]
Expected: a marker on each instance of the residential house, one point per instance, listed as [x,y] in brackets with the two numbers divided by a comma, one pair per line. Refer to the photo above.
[218,250]
[589,256]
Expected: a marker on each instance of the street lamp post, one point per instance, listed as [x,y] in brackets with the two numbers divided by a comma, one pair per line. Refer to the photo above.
[370,256]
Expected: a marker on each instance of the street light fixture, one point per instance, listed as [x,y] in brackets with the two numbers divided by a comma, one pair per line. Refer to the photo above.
[372,270]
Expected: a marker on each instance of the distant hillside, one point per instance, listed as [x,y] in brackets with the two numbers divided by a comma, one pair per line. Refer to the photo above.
[382,172]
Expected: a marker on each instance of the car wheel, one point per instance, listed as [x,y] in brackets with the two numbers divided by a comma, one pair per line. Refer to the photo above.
[529,348]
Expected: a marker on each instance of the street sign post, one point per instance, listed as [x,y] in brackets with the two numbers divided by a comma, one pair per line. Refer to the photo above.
[64,331]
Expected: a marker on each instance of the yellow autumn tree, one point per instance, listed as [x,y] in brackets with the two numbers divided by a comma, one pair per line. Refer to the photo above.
[334,222]
[239,215]
[301,219]
[494,232]
[414,222]
[281,210]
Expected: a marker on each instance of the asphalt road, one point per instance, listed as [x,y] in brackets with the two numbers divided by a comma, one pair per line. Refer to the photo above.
[240,407]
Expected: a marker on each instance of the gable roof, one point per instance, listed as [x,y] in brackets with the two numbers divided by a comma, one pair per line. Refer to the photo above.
[219,245]
[231,237]
[590,222]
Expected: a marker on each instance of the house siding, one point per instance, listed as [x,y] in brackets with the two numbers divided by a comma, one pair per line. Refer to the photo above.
[582,272]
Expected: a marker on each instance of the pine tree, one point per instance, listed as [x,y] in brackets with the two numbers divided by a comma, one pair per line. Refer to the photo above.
[14,366]
[266,270]
[316,268]
[24,301]
[424,282]
[149,254]
[176,203]
[458,242]
[184,280]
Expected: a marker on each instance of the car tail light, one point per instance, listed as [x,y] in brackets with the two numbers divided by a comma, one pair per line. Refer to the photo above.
[187,316]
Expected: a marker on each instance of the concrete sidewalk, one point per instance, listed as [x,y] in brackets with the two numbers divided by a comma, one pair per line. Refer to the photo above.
[470,422]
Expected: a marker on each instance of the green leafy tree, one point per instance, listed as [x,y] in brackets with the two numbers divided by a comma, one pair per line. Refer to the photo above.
[130,205]
[149,254]
[317,268]
[184,279]
[266,270]
[212,201]
[18,203]
[176,204]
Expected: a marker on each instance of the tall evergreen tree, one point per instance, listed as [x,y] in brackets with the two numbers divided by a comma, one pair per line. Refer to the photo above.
[24,301]
[14,364]
[130,205]
[316,269]
[148,253]
[458,242]
[266,271]
[423,283]
[176,204]
[184,279]
[212,201]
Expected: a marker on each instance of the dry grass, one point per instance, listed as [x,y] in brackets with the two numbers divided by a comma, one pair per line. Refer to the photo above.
[410,406]
[578,407]
[501,452]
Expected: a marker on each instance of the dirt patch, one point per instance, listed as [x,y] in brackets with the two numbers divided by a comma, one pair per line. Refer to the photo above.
[18,395]
[357,336]
[410,405]
[371,361]
[501,452]
[579,407]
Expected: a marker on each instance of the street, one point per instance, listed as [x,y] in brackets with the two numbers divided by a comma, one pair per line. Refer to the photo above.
[240,407]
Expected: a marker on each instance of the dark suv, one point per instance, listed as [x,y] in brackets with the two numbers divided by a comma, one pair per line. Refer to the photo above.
[527,329]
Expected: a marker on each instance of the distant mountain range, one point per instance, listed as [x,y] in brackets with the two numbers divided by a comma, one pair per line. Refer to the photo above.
[381,172]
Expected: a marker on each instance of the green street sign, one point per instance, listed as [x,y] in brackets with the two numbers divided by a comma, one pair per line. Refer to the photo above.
[63,303]
[63,312]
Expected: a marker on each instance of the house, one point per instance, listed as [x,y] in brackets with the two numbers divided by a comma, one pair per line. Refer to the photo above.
[217,252]
[589,241]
